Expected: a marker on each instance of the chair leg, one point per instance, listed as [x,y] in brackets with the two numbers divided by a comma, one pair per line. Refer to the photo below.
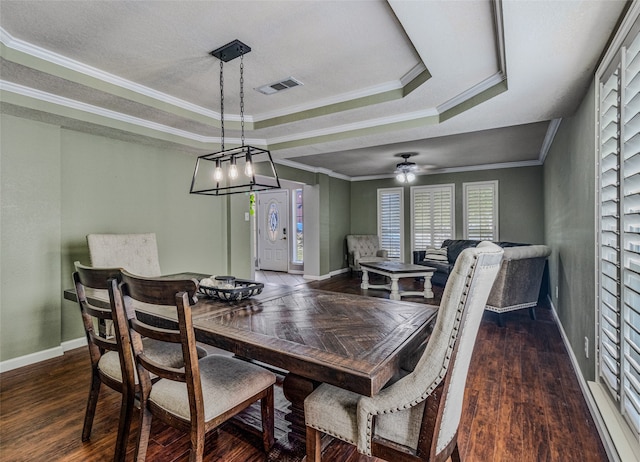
[314,445]
[143,432]
[500,320]
[92,401]
[124,424]
[532,312]
[455,455]
[266,405]
[197,443]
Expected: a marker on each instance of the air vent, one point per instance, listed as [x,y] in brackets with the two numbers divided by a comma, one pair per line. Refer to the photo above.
[281,85]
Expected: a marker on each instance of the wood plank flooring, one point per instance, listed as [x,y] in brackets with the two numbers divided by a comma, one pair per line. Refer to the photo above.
[522,403]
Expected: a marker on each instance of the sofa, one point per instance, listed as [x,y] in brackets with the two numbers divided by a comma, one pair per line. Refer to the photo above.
[519,279]
[364,248]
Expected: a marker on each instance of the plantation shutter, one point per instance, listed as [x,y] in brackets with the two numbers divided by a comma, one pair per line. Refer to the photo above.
[433,215]
[609,236]
[619,233]
[481,211]
[390,221]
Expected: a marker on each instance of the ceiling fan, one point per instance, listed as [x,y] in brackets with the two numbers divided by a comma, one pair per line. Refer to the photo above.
[405,170]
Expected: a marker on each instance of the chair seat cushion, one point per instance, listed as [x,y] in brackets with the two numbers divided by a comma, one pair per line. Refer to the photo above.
[332,410]
[226,382]
[161,352]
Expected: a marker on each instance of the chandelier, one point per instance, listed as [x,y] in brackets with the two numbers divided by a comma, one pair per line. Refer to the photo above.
[405,170]
[239,169]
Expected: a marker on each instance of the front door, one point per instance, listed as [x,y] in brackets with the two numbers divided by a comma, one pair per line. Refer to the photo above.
[273,218]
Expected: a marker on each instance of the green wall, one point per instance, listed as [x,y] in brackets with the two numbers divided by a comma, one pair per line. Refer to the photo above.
[521,203]
[30,302]
[60,185]
[340,205]
[569,191]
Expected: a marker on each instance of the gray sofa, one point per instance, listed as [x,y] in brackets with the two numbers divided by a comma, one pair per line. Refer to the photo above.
[518,283]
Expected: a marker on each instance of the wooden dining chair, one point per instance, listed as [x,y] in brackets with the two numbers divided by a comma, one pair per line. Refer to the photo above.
[203,394]
[112,358]
[417,417]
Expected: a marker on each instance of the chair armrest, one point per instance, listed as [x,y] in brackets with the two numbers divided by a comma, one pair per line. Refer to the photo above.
[418,255]
[382,253]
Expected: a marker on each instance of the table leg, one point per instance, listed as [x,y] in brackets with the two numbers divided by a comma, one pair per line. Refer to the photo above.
[428,292]
[395,293]
[365,279]
[296,389]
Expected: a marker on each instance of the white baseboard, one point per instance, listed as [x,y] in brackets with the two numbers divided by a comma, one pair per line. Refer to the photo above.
[340,271]
[33,358]
[609,446]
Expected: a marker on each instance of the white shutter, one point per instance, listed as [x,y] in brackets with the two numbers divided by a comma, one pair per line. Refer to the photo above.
[630,175]
[432,215]
[619,233]
[390,221]
[609,236]
[481,210]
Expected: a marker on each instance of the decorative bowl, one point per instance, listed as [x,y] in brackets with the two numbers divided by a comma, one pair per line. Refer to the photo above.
[242,289]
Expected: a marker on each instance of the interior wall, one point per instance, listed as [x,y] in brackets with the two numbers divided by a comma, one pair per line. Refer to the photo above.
[112,186]
[569,192]
[521,211]
[30,302]
[340,203]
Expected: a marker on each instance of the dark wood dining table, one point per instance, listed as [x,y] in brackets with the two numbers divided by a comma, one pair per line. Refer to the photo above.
[354,342]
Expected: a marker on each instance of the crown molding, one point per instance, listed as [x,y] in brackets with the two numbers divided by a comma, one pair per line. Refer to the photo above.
[113,115]
[552,129]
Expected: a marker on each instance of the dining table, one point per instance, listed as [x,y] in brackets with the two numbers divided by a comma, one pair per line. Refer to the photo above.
[311,336]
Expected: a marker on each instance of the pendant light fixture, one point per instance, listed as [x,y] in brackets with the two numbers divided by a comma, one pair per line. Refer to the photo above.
[236,170]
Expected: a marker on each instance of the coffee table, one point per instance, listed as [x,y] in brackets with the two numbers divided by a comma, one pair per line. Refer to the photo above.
[395,271]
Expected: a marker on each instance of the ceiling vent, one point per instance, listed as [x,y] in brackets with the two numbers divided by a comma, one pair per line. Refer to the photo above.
[281,85]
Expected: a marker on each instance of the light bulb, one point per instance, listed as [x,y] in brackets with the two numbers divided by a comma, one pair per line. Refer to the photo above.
[401,177]
[217,173]
[248,166]
[233,169]
[410,177]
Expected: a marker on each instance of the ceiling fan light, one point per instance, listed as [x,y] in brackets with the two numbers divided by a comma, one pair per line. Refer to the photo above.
[401,177]
[410,177]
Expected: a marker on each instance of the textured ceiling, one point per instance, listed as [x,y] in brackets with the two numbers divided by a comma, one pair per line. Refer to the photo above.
[463,84]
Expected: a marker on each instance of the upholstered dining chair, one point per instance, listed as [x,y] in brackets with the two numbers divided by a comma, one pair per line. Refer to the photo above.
[112,358]
[203,394]
[417,417]
[137,253]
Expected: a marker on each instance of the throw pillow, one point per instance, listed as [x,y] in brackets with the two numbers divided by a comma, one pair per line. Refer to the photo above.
[436,254]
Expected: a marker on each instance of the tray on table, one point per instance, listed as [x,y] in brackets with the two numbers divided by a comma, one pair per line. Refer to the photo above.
[243,289]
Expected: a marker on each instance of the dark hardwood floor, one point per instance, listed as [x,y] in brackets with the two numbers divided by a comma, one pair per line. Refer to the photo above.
[522,403]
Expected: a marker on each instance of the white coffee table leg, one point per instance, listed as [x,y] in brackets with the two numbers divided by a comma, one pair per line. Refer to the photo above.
[428,293]
[365,279]
[395,294]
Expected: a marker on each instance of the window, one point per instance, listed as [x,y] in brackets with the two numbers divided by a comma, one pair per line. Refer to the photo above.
[618,258]
[432,219]
[481,210]
[298,242]
[390,221]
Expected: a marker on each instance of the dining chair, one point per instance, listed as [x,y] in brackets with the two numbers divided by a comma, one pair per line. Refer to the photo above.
[112,358]
[417,417]
[137,253]
[203,394]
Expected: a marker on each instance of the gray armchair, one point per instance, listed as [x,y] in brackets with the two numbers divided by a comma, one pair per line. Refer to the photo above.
[364,248]
[417,417]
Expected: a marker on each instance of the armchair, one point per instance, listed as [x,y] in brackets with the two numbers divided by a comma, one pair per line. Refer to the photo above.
[364,248]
